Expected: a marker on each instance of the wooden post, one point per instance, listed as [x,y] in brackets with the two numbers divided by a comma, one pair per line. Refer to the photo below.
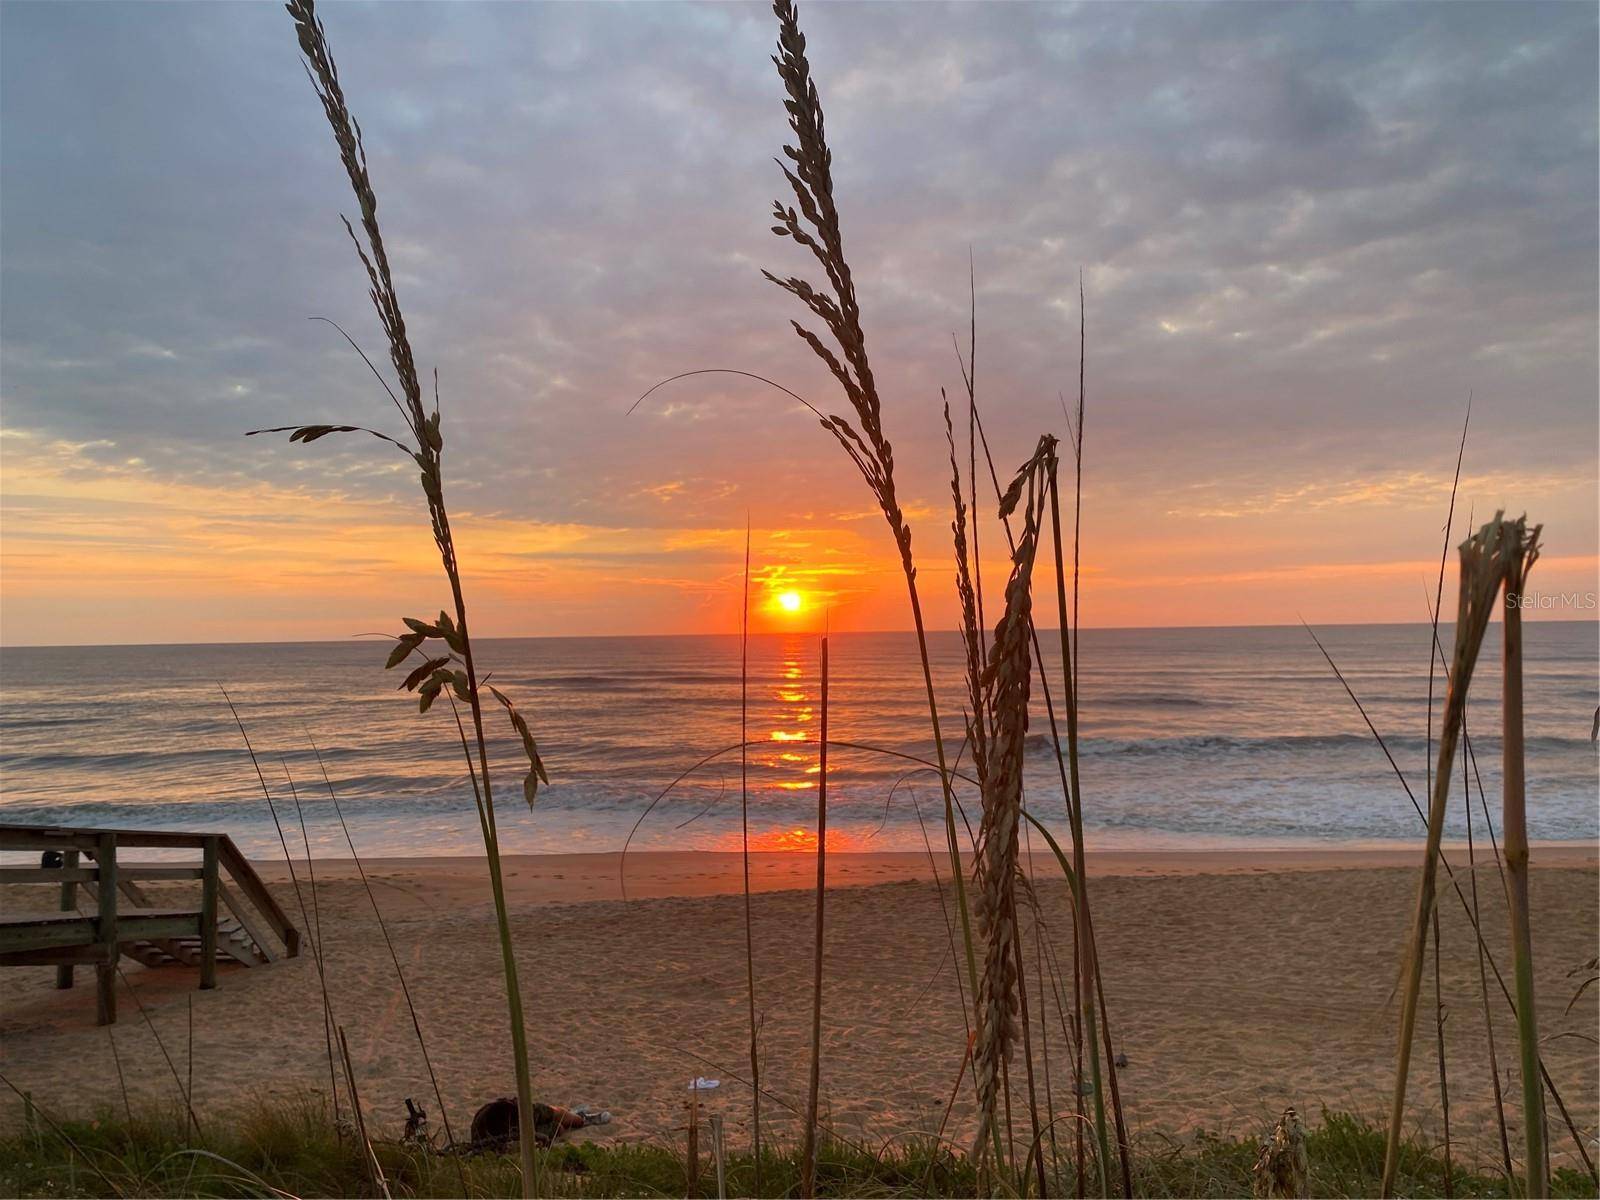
[208,916]
[257,893]
[106,928]
[69,902]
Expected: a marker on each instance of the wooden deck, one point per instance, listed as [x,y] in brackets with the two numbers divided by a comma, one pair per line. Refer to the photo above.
[256,929]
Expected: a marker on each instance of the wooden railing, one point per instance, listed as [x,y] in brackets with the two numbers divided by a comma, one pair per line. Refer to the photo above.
[67,939]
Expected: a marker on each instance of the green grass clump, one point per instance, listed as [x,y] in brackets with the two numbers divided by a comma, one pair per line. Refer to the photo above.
[1346,1154]
[290,1148]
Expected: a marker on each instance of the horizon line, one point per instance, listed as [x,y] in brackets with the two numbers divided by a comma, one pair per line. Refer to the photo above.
[553,637]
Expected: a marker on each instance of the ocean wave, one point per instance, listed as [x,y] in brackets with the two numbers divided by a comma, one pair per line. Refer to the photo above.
[1190,745]
[588,683]
[1148,700]
[623,680]
[120,759]
[1222,734]
[70,720]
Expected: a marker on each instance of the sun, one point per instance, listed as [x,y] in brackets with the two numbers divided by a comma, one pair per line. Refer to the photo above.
[789,601]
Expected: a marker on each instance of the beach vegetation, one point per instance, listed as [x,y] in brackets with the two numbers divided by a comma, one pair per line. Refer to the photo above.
[289,1148]
[443,645]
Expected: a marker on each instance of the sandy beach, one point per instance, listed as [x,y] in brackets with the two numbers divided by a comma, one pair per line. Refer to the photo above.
[1239,982]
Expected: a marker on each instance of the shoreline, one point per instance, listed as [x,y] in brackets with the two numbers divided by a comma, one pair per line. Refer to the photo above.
[576,878]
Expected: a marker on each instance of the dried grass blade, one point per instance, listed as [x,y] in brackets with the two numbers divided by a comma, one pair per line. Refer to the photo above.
[1484,564]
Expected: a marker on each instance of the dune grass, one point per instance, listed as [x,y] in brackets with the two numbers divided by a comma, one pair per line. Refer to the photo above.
[815,226]
[293,1141]
[1514,821]
[1004,688]
[1492,558]
[290,1148]
[448,667]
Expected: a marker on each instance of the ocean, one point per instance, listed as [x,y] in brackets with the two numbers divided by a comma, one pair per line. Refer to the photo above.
[1203,738]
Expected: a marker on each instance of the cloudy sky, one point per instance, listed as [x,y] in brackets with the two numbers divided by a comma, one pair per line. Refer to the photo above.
[1307,233]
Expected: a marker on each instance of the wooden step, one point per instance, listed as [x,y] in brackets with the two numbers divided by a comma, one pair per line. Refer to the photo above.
[71,929]
[42,930]
[83,862]
[231,941]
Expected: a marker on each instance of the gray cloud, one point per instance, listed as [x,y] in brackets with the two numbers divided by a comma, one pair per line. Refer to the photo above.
[1308,231]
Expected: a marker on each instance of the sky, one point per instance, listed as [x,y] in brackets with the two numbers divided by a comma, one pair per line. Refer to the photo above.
[1307,234]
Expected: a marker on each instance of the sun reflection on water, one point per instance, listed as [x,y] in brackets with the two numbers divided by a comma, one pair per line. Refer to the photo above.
[793,839]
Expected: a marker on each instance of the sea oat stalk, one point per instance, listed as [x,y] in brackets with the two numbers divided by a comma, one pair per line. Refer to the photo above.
[453,668]
[1514,821]
[1006,680]
[1486,558]
[814,225]
[744,844]
[970,595]
[808,1157]
[1579,1140]
[1435,652]
[1088,960]
[1095,999]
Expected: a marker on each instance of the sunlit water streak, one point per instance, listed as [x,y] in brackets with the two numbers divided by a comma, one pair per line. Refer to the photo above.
[1190,738]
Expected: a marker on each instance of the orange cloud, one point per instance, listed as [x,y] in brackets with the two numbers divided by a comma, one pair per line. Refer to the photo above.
[93,552]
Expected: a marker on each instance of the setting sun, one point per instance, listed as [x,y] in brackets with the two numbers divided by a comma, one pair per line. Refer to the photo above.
[789,601]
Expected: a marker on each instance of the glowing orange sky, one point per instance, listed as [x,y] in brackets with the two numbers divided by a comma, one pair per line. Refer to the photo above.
[1298,269]
[112,556]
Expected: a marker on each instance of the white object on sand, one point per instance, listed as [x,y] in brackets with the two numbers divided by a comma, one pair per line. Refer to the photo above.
[701,1084]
